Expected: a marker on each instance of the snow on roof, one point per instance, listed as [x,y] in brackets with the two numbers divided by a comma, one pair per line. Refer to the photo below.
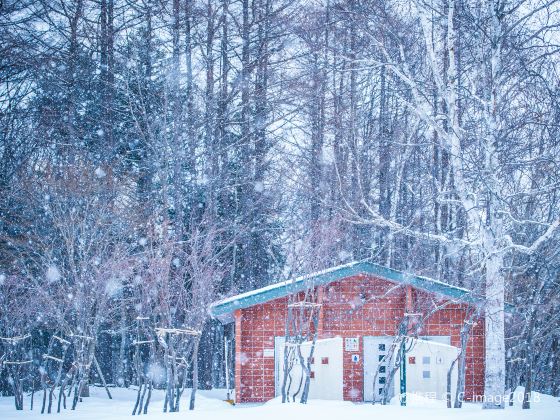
[223,309]
[283,283]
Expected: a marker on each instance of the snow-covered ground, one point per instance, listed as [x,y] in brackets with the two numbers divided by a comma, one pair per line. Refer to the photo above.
[211,407]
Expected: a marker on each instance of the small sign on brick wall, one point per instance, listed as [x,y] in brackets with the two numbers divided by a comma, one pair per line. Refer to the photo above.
[268,353]
[351,344]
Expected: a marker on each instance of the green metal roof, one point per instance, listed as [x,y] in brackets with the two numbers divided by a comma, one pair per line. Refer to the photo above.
[223,309]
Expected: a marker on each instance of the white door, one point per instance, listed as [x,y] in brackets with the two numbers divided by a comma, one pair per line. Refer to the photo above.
[428,362]
[326,378]
[376,359]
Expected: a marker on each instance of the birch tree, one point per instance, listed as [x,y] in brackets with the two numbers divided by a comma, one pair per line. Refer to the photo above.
[477,154]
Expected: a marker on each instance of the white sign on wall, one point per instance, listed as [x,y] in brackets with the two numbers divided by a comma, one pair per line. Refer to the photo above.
[351,344]
[268,353]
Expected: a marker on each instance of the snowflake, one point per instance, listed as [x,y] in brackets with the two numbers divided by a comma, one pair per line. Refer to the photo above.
[259,187]
[100,173]
[53,274]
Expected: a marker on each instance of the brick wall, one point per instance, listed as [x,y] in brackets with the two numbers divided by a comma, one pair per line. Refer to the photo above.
[355,307]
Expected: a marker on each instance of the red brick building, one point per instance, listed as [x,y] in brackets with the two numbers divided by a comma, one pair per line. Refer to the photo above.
[357,300]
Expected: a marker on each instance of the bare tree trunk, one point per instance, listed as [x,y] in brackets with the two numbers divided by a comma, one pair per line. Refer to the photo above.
[137,405]
[44,386]
[555,369]
[190,117]
[195,373]
[67,379]
[123,359]
[529,354]
[448,389]
[169,357]
[305,393]
[462,359]
[58,376]
[150,385]
[286,373]
[32,394]
[528,383]
[102,377]
[13,375]
[210,109]
[178,147]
